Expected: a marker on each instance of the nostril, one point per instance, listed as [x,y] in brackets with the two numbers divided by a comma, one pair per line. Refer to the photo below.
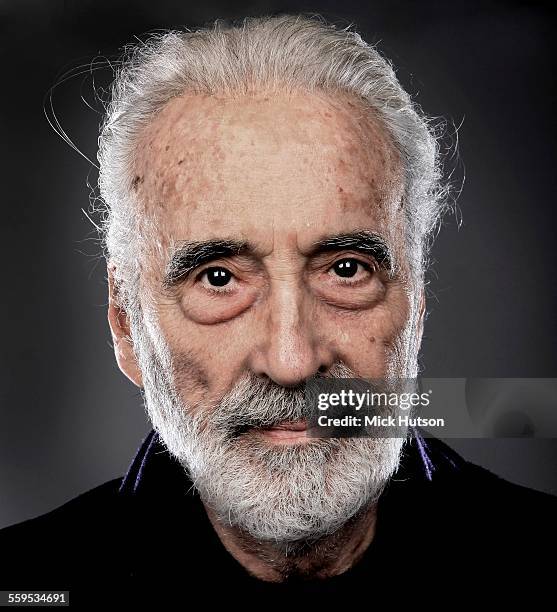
[322,369]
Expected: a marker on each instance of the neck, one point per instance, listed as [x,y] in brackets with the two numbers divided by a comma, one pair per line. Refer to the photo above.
[329,556]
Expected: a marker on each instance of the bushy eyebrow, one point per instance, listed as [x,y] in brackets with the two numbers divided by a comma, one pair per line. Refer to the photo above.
[363,241]
[187,256]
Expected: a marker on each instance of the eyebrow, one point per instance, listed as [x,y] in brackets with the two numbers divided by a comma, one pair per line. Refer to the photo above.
[190,255]
[363,241]
[187,256]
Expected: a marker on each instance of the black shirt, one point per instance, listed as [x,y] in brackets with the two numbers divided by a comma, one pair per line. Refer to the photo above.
[443,524]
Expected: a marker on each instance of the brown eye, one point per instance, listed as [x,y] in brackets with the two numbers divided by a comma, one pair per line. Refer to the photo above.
[218,277]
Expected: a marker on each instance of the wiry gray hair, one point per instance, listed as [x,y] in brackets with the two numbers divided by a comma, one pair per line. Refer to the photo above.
[281,52]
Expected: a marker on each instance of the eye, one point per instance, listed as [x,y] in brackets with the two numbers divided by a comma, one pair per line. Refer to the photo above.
[350,267]
[216,276]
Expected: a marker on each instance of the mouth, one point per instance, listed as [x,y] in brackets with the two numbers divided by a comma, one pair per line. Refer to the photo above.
[287,432]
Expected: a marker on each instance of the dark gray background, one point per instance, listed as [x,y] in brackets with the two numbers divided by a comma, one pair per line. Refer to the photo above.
[70,420]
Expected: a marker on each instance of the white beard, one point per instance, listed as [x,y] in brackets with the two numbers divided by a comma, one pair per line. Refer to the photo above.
[284,494]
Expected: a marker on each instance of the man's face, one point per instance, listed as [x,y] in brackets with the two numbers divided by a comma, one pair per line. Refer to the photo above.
[279,174]
[277,252]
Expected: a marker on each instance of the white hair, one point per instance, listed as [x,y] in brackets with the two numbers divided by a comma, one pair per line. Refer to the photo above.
[285,52]
[284,495]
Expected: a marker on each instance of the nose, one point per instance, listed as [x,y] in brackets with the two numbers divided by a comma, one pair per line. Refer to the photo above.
[292,346]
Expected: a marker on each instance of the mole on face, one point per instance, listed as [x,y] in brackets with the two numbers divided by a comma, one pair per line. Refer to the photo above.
[138,179]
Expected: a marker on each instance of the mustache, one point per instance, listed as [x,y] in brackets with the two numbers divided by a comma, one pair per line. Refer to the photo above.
[259,402]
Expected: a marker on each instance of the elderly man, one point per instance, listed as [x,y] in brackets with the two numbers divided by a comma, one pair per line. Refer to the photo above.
[270,195]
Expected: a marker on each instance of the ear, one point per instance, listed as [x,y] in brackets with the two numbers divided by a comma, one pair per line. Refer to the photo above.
[120,330]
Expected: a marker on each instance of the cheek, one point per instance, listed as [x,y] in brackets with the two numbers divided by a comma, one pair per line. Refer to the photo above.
[372,340]
[205,358]
[189,373]
[184,359]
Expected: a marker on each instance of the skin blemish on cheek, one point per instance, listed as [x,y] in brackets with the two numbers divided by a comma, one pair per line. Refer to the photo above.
[137,181]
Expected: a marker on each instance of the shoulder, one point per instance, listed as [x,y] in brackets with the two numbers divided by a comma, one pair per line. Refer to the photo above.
[509,508]
[465,521]
[69,514]
[37,548]
[480,484]
[454,489]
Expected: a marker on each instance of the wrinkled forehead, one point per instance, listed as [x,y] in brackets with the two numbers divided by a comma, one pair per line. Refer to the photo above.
[210,163]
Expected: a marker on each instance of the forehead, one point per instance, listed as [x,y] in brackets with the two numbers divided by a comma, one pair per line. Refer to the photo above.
[298,163]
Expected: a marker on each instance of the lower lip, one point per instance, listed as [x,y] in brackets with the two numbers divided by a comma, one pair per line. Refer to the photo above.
[287,432]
